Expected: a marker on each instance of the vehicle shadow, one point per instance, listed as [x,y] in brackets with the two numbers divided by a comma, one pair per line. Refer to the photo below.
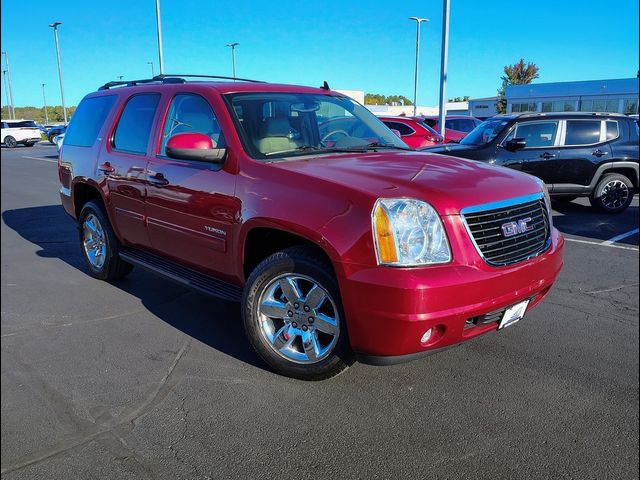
[582,220]
[214,322]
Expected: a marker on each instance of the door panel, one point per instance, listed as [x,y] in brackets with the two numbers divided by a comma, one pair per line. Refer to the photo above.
[191,208]
[581,152]
[123,163]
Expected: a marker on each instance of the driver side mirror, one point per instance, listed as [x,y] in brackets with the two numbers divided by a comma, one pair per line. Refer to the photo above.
[194,146]
[516,144]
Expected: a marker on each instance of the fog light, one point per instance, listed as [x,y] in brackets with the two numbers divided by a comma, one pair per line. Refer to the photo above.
[427,335]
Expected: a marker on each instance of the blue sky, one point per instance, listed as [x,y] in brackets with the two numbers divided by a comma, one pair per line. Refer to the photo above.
[360,45]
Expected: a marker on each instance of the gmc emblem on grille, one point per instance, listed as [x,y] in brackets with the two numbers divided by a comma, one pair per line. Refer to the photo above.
[510,229]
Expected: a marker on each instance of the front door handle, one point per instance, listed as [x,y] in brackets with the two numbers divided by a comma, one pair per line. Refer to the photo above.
[547,155]
[599,153]
[106,168]
[158,180]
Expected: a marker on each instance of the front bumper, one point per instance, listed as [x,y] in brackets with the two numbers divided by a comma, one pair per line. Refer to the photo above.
[389,309]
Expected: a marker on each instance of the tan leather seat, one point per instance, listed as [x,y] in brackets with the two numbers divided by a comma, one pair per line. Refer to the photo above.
[276,134]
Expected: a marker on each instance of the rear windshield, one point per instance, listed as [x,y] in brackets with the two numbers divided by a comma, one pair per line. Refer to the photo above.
[87,120]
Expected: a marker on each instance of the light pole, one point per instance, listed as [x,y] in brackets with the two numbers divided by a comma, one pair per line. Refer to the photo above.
[44,99]
[12,109]
[6,92]
[54,25]
[443,66]
[418,21]
[152,71]
[159,27]
[233,56]
[120,77]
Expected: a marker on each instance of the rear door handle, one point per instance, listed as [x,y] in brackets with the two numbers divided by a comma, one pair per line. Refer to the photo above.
[158,180]
[547,155]
[106,168]
[599,153]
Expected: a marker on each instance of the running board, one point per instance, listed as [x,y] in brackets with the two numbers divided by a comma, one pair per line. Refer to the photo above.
[182,275]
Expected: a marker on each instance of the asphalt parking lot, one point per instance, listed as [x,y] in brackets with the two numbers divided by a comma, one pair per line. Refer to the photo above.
[144,379]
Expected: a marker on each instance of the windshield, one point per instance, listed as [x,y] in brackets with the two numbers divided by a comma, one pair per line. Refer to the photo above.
[278,125]
[485,132]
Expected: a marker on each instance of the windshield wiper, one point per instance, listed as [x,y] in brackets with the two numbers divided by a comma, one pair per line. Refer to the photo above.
[378,145]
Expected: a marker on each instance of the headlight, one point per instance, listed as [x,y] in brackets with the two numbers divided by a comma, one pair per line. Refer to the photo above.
[408,233]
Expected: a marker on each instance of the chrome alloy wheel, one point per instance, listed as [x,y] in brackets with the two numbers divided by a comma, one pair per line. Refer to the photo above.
[615,194]
[94,241]
[298,318]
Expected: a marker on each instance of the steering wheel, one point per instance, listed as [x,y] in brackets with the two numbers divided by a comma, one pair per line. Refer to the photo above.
[333,132]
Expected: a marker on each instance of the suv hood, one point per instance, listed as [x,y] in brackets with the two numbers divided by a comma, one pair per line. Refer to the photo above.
[447,183]
[449,147]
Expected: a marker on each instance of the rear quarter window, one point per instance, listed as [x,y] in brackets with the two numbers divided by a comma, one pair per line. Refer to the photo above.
[87,120]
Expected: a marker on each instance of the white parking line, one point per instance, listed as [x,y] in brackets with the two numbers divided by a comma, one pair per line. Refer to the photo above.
[601,244]
[39,158]
[621,236]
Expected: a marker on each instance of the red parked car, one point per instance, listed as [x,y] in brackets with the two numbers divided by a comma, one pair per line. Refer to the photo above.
[338,240]
[456,126]
[413,131]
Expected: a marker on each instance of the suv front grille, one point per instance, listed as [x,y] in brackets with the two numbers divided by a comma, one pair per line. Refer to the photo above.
[495,247]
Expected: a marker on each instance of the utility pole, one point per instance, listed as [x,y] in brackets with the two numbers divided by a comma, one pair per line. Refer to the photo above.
[159,27]
[443,66]
[44,98]
[54,25]
[418,21]
[6,92]
[12,109]
[152,71]
[233,56]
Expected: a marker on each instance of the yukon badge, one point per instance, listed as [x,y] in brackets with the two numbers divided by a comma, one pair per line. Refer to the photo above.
[510,229]
[215,230]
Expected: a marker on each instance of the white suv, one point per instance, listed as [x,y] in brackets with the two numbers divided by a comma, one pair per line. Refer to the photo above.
[20,131]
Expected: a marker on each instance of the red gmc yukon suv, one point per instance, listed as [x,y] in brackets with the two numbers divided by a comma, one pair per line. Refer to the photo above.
[339,240]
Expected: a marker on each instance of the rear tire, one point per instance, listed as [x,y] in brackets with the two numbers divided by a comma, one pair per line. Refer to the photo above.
[99,244]
[51,139]
[298,333]
[613,194]
[10,142]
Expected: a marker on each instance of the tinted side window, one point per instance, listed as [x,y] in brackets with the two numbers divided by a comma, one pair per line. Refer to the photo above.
[134,126]
[612,130]
[582,132]
[401,127]
[537,134]
[87,120]
[431,122]
[191,113]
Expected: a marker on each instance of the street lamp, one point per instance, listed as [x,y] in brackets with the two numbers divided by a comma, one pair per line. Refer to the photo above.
[120,77]
[54,25]
[6,92]
[443,66]
[152,71]
[44,99]
[233,56]
[418,21]
[12,110]
[159,28]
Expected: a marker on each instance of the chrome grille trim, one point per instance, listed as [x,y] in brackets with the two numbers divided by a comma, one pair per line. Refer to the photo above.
[483,224]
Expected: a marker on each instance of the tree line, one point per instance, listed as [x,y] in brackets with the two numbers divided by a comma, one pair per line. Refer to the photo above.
[37,113]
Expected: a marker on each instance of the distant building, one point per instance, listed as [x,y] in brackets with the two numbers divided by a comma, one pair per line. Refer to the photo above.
[618,95]
[483,107]
[453,108]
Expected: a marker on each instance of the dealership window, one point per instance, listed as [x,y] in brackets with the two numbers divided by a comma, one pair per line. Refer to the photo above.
[630,106]
[582,132]
[559,106]
[524,107]
[586,106]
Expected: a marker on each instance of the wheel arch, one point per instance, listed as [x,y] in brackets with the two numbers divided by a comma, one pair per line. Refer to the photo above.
[262,238]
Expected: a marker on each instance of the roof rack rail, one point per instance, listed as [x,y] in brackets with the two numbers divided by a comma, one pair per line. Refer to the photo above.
[164,78]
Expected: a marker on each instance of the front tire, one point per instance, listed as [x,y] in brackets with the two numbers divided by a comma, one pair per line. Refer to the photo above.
[613,194]
[10,142]
[293,316]
[99,244]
